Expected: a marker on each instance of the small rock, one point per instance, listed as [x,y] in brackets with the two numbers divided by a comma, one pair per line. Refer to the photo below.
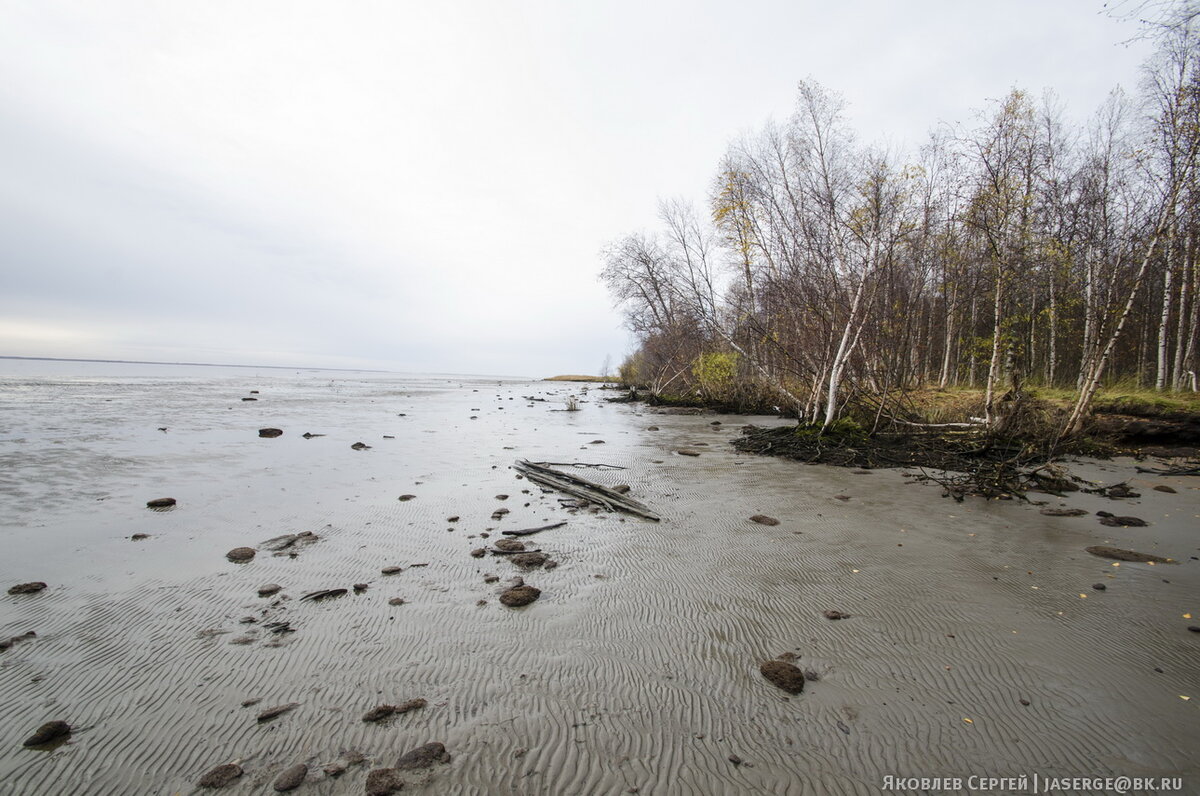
[842,497]
[520,595]
[6,643]
[291,778]
[687,452]
[160,503]
[276,711]
[334,770]
[396,601]
[1064,512]
[510,545]
[783,675]
[241,554]
[1099,586]
[498,514]
[393,570]
[360,446]
[835,615]
[652,428]
[1122,491]
[359,588]
[27,588]
[423,757]
[270,432]
[1164,488]
[1194,628]
[737,761]
[220,776]
[1024,702]
[1104,551]
[529,560]
[137,537]
[763,519]
[50,731]
[269,589]
[251,702]
[406,498]
[501,497]
[383,781]
[1123,522]
[452,519]
[551,564]
[478,552]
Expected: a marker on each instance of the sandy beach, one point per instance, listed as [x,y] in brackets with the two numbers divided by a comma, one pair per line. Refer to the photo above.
[975,642]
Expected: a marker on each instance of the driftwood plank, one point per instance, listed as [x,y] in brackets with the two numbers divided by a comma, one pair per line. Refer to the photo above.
[583,489]
[527,531]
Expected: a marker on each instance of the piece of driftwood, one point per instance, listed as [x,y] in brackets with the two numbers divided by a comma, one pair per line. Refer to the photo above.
[528,531]
[583,489]
[494,551]
[1171,470]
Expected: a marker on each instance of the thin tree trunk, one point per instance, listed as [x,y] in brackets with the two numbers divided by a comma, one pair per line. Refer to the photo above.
[1161,373]
[989,395]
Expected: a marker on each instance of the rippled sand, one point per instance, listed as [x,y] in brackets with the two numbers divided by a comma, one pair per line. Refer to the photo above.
[638,668]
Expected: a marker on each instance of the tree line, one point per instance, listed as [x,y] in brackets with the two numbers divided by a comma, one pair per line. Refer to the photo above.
[1020,251]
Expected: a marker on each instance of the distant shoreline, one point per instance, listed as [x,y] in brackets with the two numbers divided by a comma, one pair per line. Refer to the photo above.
[271,367]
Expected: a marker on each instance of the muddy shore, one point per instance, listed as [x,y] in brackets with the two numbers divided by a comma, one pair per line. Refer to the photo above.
[970,640]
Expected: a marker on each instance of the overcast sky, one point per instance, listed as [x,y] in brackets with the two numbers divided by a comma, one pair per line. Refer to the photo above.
[428,186]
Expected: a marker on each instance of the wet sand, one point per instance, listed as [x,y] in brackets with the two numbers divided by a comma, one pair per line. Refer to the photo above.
[638,666]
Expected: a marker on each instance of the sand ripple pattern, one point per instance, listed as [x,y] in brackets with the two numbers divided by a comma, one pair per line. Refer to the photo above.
[637,668]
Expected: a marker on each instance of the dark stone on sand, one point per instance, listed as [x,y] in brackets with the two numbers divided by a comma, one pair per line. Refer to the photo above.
[1119,554]
[269,589]
[687,452]
[1194,628]
[1122,491]
[763,519]
[8,642]
[359,588]
[249,399]
[510,545]
[1024,702]
[334,770]
[137,537]
[407,498]
[1099,586]
[423,757]
[501,497]
[737,761]
[551,564]
[498,514]
[783,675]
[360,446]
[291,778]
[529,560]
[160,503]
[241,554]
[27,588]
[250,702]
[270,433]
[396,601]
[835,615]
[393,570]
[1064,512]
[520,595]
[1123,522]
[278,710]
[1164,488]
[383,781]
[652,428]
[48,732]
[220,776]
[452,519]
[479,552]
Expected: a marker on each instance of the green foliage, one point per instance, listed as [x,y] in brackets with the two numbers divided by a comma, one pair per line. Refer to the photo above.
[715,373]
[843,432]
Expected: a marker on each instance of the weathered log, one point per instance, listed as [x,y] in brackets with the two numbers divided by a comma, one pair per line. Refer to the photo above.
[583,489]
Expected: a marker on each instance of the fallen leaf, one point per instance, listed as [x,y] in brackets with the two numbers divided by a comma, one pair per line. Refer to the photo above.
[968,721]
[1083,596]
[1187,616]
[1184,698]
